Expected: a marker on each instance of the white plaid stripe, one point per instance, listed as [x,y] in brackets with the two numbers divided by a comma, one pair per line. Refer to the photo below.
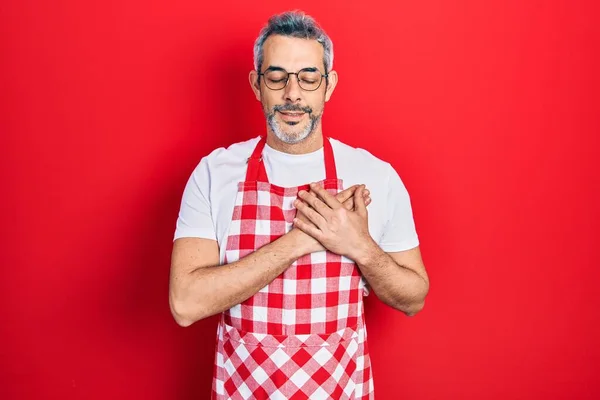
[311,315]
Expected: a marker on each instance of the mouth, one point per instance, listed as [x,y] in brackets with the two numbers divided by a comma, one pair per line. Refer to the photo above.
[291,116]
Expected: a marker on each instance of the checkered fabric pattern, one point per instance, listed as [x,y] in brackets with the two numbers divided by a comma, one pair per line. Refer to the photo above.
[312,366]
[317,294]
[302,336]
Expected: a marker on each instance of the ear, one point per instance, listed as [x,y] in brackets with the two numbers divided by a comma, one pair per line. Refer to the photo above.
[332,81]
[254,83]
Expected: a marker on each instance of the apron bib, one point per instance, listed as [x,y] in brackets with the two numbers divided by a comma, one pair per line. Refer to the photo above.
[303,335]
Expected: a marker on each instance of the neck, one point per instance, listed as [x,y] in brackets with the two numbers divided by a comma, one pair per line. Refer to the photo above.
[312,143]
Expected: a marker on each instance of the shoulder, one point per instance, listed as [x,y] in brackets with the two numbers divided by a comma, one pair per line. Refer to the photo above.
[359,159]
[236,153]
[223,164]
[227,158]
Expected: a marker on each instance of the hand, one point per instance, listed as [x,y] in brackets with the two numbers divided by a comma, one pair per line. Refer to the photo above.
[346,198]
[338,229]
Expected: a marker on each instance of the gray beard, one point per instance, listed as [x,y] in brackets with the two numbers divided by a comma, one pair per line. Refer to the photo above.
[295,137]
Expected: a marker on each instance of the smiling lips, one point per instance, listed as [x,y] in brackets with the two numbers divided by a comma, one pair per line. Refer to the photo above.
[291,116]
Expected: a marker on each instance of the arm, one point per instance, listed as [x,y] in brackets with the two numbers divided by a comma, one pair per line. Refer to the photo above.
[399,279]
[200,287]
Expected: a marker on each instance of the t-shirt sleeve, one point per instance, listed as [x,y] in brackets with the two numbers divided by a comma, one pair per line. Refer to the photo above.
[195,219]
[399,233]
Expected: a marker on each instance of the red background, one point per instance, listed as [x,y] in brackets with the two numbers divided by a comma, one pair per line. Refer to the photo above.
[488,109]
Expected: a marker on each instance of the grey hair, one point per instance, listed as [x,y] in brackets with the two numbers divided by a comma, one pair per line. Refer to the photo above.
[293,24]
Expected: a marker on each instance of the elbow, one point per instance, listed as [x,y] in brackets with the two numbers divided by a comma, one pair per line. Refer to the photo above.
[409,307]
[417,304]
[182,320]
[413,309]
[182,312]
[178,311]
[187,307]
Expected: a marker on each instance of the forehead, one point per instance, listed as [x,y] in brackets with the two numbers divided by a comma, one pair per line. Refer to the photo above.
[292,53]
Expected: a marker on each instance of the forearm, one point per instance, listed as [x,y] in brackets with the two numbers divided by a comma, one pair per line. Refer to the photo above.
[207,291]
[397,286]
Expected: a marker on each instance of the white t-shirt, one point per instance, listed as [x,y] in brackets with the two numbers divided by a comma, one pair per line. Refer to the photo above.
[209,195]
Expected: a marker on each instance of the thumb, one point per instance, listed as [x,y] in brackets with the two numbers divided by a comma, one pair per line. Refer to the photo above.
[359,202]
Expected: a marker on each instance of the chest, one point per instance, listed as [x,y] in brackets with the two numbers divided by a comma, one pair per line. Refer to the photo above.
[225,194]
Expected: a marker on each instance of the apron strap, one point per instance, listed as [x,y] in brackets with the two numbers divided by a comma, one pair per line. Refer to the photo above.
[330,169]
[256,167]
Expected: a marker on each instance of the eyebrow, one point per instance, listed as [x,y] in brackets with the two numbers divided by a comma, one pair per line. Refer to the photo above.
[277,68]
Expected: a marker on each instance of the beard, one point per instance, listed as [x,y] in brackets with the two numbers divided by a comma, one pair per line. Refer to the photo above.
[278,126]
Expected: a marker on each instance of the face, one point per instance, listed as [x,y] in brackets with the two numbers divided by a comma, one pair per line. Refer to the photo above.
[292,113]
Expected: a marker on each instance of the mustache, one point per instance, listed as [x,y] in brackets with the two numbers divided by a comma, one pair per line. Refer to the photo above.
[292,107]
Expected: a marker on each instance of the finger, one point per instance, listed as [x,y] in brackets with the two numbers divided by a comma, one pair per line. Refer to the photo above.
[313,194]
[359,202]
[349,204]
[346,193]
[304,218]
[315,203]
[366,193]
[312,215]
[329,200]
[308,228]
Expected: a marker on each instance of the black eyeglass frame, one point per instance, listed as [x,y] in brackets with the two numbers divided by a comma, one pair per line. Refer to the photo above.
[287,80]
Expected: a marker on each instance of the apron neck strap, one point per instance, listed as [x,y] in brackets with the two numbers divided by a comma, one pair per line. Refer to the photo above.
[256,167]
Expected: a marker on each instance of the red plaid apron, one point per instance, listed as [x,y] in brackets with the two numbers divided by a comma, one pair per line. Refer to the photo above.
[302,336]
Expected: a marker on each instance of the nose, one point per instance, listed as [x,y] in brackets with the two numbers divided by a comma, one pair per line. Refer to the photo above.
[292,91]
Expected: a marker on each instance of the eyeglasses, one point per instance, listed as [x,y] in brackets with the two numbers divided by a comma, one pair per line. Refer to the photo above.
[309,79]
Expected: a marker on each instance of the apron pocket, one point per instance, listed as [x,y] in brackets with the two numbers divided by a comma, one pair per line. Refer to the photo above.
[312,366]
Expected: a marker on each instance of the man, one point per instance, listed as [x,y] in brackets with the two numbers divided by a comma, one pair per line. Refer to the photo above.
[286,264]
